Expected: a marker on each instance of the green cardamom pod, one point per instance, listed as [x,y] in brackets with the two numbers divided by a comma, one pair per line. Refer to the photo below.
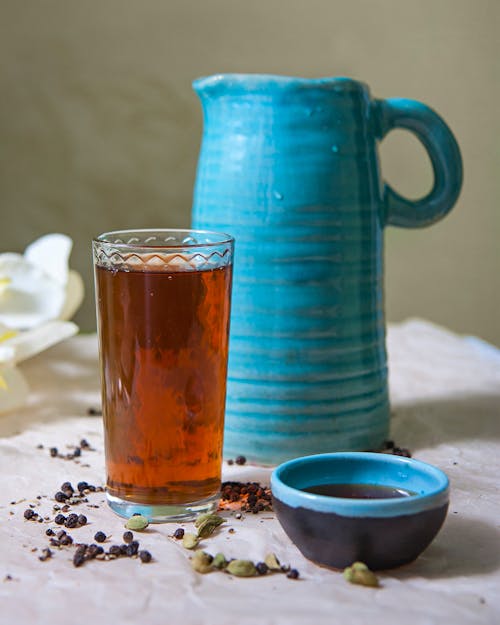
[202,561]
[190,541]
[359,573]
[207,527]
[241,568]
[137,523]
[220,561]
[272,562]
[215,519]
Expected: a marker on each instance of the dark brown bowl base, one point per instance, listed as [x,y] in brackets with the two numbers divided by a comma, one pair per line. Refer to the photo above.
[338,541]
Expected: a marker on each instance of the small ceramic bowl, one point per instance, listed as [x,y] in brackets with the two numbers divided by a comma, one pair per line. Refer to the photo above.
[337,531]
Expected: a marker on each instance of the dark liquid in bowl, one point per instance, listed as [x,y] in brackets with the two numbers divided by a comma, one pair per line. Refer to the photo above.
[358,491]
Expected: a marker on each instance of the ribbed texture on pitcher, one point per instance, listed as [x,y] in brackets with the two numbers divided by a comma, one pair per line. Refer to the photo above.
[291,172]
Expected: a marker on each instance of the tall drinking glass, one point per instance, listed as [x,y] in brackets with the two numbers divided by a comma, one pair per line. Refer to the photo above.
[163,304]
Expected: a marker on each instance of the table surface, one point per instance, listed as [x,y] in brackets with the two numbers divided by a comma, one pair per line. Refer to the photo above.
[445,393]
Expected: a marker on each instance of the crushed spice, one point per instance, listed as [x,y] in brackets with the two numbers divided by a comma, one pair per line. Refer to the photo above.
[245,497]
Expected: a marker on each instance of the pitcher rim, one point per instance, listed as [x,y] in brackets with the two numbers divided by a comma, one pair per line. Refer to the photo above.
[257,82]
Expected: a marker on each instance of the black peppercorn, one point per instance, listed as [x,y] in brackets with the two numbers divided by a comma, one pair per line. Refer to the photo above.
[49,532]
[115,550]
[145,556]
[60,497]
[78,558]
[401,451]
[132,548]
[60,519]
[53,452]
[60,534]
[94,550]
[66,487]
[29,514]
[82,519]
[262,568]
[230,461]
[240,460]
[77,452]
[82,486]
[46,554]
[71,521]
[128,537]
[179,533]
[100,537]
[66,540]
[293,574]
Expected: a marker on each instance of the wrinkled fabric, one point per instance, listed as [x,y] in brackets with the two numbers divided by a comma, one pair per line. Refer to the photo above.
[445,393]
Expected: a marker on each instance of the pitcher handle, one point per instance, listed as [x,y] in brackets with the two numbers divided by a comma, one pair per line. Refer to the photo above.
[445,157]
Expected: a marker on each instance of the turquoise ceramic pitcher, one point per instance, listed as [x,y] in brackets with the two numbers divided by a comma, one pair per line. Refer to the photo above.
[289,167]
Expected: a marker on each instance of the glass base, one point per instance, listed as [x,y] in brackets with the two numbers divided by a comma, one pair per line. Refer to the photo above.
[163,513]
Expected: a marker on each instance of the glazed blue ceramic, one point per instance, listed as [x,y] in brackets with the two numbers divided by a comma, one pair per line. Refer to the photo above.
[382,533]
[289,167]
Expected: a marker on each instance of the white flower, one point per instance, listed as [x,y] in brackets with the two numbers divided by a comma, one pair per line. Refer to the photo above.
[38,286]
[37,292]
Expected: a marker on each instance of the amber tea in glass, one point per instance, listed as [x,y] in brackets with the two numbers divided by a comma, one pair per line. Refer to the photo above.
[163,304]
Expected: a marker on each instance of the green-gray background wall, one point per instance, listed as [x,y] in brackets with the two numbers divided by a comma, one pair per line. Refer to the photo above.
[99,128]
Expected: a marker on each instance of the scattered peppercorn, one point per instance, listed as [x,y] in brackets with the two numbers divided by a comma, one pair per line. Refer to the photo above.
[54,542]
[115,550]
[240,460]
[128,537]
[77,453]
[71,521]
[82,519]
[66,540]
[46,554]
[100,537]
[81,486]
[29,514]
[79,558]
[262,568]
[402,451]
[293,574]
[179,533]
[60,497]
[132,548]
[49,532]
[230,461]
[67,488]
[53,452]
[145,556]
[60,519]
[94,550]
[60,534]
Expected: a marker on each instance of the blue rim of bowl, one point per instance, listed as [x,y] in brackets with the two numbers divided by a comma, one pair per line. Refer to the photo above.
[434,497]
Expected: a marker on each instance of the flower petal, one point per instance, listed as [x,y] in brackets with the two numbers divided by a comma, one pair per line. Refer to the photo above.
[51,254]
[74,295]
[31,342]
[13,390]
[32,297]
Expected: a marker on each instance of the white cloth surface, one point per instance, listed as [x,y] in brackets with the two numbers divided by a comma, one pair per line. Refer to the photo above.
[445,393]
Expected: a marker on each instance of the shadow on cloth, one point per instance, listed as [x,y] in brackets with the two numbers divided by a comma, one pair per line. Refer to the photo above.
[430,423]
[465,546]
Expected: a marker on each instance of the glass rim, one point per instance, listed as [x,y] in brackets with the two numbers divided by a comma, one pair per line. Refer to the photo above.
[220,238]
